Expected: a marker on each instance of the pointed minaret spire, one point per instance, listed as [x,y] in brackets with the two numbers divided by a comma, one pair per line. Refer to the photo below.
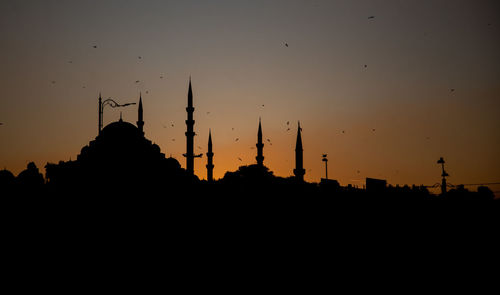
[190,133]
[260,146]
[190,94]
[299,162]
[210,156]
[140,121]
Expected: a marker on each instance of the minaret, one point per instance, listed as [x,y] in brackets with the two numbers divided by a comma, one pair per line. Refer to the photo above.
[99,124]
[190,133]
[260,146]
[299,162]
[210,156]
[140,122]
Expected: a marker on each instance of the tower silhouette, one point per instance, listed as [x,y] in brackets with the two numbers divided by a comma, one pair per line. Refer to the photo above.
[210,155]
[190,133]
[299,162]
[99,124]
[260,146]
[140,122]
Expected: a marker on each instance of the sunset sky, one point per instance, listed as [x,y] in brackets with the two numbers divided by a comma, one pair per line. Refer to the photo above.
[430,87]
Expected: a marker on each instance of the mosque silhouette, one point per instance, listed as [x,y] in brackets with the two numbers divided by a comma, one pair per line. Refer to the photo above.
[121,161]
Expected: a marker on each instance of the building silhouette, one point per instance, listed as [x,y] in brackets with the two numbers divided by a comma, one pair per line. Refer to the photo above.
[299,162]
[120,157]
[210,156]
[190,133]
[260,147]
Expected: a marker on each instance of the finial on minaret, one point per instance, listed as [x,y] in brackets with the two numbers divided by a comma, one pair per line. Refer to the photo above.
[121,117]
[210,156]
[140,121]
[260,146]
[299,170]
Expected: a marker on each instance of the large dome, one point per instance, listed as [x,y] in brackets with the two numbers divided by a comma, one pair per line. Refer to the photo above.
[120,129]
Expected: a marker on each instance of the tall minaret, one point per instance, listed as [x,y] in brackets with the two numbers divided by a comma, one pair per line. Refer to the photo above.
[260,146]
[210,156]
[140,122]
[99,124]
[190,133]
[299,162]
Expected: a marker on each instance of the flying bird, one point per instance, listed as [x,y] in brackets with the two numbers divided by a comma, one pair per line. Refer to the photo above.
[371,17]
[240,159]
[172,124]
[139,57]
[366,66]
[173,139]
[147,91]
[161,77]
[373,129]
[95,46]
[268,140]
[452,89]
[343,131]
[200,147]
[262,105]
[286,44]
[137,81]
[287,122]
[70,62]
[208,113]
[53,82]
[288,129]
[236,139]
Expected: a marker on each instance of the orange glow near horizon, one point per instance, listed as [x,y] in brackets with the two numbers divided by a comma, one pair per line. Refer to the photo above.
[383,97]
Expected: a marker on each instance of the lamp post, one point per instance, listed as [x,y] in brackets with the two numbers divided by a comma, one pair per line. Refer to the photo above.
[112,104]
[444,175]
[326,165]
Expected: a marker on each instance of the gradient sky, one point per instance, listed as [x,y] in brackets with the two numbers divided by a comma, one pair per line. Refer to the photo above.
[415,52]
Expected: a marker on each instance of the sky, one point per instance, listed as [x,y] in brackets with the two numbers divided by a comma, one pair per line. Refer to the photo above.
[384,88]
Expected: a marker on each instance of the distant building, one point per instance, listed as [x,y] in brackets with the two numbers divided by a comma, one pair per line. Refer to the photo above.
[374,185]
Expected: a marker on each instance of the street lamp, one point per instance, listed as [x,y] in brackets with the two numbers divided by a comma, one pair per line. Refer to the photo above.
[326,165]
[444,175]
[112,104]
